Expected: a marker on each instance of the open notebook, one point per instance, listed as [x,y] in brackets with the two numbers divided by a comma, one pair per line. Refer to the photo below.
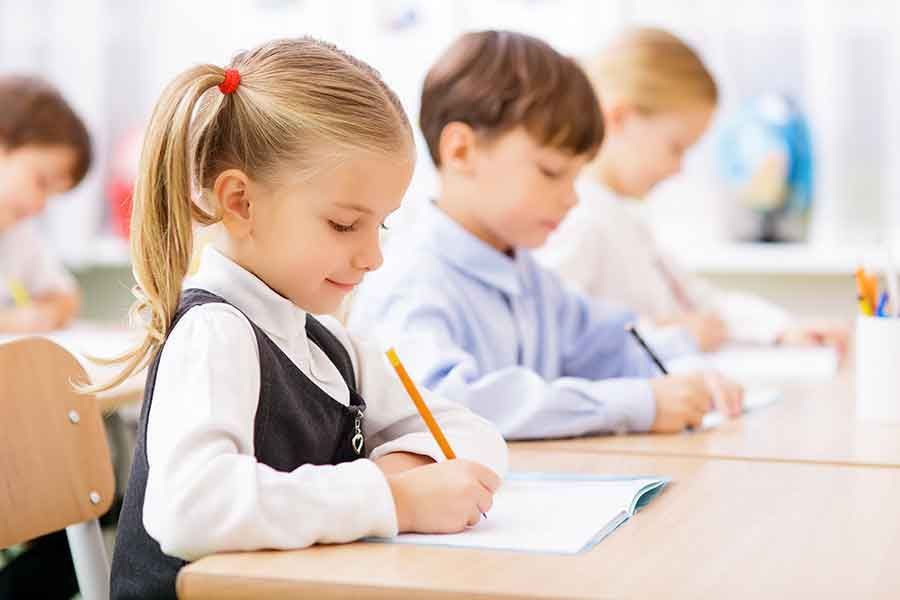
[551,513]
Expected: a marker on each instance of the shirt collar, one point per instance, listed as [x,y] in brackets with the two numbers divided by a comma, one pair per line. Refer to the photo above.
[474,257]
[282,320]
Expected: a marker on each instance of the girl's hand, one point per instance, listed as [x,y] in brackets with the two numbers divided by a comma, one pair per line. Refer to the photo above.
[397,462]
[443,497]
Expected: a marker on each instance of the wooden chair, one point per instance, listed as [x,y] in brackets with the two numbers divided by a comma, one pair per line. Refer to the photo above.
[55,469]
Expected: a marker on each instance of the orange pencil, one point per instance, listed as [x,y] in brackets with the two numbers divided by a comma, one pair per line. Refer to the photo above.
[872,290]
[423,409]
[864,291]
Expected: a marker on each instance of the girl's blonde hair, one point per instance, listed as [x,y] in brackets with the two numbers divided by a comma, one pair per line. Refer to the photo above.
[652,70]
[299,102]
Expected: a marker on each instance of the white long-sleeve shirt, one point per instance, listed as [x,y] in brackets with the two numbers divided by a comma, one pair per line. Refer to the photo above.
[611,253]
[205,490]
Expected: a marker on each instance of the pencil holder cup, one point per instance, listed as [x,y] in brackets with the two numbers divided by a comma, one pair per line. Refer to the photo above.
[878,369]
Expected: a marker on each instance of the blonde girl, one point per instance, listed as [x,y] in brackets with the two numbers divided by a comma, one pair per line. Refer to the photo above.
[263,426]
[657,98]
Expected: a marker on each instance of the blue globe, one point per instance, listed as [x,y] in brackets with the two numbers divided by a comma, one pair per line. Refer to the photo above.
[765,157]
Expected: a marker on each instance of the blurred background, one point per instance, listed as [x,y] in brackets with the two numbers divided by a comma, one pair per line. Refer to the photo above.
[834,61]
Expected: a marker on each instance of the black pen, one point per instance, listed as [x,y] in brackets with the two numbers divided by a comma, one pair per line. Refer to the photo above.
[634,332]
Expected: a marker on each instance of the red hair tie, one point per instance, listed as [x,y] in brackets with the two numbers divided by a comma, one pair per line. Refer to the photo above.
[231,81]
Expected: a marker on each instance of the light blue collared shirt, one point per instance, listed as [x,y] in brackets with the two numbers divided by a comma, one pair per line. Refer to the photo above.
[504,336]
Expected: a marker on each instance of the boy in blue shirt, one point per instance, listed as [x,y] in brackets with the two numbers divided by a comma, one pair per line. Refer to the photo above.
[509,123]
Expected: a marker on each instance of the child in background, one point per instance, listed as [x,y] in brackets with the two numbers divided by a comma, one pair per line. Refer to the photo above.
[45,150]
[262,426]
[509,124]
[657,99]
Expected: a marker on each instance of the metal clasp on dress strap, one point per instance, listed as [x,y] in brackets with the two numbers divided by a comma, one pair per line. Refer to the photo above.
[358,440]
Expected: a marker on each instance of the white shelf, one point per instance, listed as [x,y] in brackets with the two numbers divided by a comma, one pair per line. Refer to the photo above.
[778,259]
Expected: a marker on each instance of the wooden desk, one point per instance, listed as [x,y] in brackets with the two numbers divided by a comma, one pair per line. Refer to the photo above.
[812,423]
[723,529]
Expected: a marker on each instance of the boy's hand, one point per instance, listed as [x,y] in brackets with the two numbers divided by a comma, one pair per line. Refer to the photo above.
[444,497]
[681,401]
[728,395]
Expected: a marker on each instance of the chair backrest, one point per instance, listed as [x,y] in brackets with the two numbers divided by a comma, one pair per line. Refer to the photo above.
[55,467]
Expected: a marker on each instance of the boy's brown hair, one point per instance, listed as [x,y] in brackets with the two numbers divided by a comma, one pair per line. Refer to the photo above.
[34,113]
[495,81]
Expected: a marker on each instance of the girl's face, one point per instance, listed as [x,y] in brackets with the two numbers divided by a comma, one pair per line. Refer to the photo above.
[29,176]
[312,240]
[645,149]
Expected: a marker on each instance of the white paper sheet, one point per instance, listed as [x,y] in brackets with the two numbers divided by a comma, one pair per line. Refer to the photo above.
[749,365]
